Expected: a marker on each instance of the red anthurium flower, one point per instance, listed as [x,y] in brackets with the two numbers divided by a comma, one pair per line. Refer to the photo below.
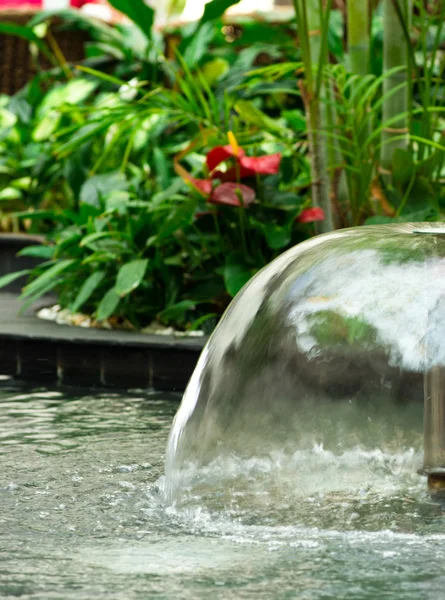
[233,174]
[202,185]
[263,165]
[249,165]
[221,153]
[309,215]
[228,193]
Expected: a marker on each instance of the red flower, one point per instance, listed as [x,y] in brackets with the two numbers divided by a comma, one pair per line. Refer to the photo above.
[311,214]
[232,174]
[202,185]
[246,166]
[263,165]
[219,154]
[229,193]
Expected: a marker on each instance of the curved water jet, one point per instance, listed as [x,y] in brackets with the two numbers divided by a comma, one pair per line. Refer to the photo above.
[344,326]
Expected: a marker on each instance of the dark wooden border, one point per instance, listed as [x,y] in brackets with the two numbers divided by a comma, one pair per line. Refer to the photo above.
[41,351]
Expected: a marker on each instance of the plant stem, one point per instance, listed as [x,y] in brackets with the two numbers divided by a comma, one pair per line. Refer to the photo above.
[242,226]
[395,54]
[358,36]
[320,184]
[310,31]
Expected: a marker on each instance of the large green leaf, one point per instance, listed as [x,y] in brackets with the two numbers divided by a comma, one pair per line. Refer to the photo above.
[97,187]
[40,214]
[161,168]
[46,126]
[97,28]
[130,276]
[73,92]
[235,277]
[108,304]
[215,9]
[10,277]
[277,237]
[49,278]
[296,119]
[141,14]
[251,114]
[199,44]
[7,119]
[100,235]
[117,201]
[87,289]
[25,33]
[9,193]
[214,69]
[287,201]
[40,251]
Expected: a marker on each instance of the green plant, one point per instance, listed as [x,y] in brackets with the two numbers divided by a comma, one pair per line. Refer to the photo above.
[178,256]
[29,177]
[360,114]
[175,177]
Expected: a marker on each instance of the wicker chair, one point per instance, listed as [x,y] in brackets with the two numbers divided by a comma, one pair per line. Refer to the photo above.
[17,66]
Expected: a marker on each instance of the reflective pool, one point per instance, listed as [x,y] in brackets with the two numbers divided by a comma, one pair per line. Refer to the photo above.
[82,511]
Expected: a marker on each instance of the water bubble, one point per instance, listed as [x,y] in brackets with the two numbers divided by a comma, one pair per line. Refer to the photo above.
[126,468]
[127,485]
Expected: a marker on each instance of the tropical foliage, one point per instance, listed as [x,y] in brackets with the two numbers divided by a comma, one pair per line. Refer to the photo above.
[167,169]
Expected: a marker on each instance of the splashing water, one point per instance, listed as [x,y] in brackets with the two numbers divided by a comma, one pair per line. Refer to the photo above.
[83,512]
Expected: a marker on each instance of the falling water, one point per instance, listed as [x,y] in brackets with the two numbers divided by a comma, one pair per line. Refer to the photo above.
[326,347]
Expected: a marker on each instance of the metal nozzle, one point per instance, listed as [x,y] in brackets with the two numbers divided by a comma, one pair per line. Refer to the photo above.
[434,428]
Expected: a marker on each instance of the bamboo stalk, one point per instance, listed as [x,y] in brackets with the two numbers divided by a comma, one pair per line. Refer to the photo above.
[308,15]
[358,36]
[395,54]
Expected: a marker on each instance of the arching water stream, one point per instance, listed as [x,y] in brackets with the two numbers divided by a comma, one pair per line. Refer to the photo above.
[349,321]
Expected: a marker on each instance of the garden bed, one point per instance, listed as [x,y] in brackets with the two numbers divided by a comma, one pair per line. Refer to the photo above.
[35,350]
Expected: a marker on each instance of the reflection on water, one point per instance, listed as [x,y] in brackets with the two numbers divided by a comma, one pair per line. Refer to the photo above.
[82,510]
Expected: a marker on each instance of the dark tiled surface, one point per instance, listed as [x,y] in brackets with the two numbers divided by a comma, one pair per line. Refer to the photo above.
[171,368]
[36,360]
[37,350]
[127,367]
[8,357]
[79,365]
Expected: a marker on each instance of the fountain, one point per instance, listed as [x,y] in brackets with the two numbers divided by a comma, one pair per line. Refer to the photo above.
[292,465]
[342,327]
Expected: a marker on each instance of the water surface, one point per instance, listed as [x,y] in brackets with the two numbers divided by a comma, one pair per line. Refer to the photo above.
[83,515]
